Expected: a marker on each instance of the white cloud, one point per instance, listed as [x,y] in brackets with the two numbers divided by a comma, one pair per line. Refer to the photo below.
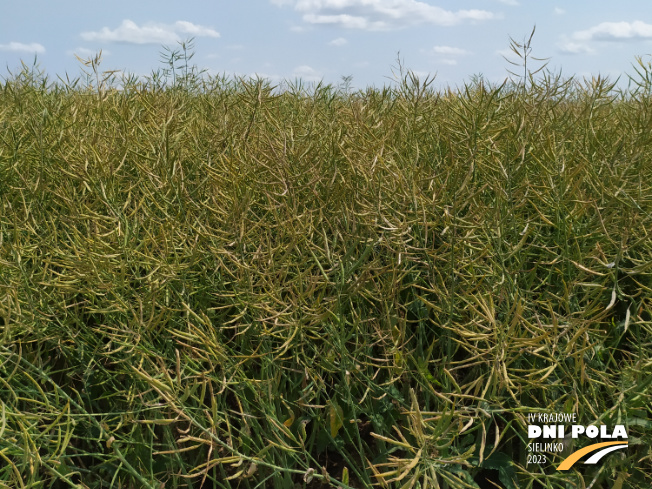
[149,33]
[380,14]
[513,3]
[421,75]
[505,53]
[307,73]
[559,11]
[195,29]
[614,31]
[87,53]
[580,41]
[340,41]
[19,47]
[449,50]
[83,52]
[571,47]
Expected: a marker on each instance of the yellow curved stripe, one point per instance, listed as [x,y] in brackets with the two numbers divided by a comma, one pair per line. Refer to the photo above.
[575,456]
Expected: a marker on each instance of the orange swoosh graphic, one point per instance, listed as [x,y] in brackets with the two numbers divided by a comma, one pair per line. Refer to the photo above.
[575,456]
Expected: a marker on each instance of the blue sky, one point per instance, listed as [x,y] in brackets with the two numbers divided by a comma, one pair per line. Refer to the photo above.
[328,39]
